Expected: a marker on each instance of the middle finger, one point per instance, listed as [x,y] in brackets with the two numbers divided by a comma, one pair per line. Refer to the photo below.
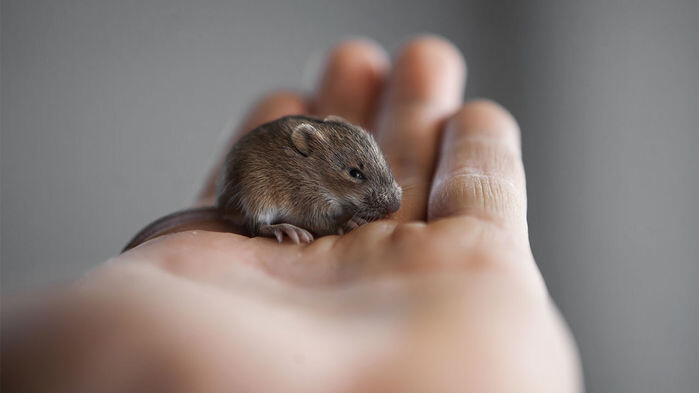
[425,88]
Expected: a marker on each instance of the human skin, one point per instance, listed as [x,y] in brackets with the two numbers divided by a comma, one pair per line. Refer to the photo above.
[444,297]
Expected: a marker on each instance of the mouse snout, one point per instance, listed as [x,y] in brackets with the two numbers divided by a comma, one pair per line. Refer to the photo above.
[392,206]
[392,199]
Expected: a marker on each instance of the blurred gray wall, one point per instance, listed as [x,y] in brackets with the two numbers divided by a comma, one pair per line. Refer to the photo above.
[112,112]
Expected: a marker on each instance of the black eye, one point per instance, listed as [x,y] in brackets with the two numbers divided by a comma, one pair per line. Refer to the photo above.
[356,173]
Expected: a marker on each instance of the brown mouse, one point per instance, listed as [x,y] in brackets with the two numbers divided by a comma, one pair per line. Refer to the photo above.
[301,177]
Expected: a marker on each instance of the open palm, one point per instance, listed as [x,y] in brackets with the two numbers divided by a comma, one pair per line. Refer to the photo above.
[445,297]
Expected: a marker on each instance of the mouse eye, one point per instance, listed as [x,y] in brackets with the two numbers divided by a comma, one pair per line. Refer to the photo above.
[356,173]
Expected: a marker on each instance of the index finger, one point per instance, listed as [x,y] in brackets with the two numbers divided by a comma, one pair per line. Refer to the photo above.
[480,173]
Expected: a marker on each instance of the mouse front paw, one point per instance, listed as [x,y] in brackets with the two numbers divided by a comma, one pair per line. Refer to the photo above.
[351,224]
[296,234]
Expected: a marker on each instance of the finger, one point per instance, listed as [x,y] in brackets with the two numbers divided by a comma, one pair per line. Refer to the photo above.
[352,81]
[425,88]
[271,107]
[480,173]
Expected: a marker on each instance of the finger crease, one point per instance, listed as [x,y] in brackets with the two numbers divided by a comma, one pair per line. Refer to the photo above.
[469,173]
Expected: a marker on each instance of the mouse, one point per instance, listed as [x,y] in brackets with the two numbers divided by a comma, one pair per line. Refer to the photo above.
[302,177]
[298,177]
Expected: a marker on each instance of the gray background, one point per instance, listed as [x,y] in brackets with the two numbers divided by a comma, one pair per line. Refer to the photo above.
[112,112]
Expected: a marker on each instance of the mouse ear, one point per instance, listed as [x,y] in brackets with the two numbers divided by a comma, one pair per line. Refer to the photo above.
[303,136]
[335,118]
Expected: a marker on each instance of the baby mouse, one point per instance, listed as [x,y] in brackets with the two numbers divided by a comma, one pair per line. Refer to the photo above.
[297,176]
[300,176]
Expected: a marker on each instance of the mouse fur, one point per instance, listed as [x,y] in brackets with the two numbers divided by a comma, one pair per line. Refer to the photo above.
[302,177]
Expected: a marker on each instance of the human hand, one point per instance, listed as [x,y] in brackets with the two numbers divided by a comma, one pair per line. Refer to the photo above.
[444,297]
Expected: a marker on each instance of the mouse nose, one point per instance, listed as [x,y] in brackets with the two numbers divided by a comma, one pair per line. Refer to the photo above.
[393,205]
[393,199]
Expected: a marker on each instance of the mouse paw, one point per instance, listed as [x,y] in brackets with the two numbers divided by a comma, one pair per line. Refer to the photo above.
[353,223]
[296,234]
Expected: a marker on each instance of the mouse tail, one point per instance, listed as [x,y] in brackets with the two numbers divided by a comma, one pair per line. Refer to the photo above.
[183,218]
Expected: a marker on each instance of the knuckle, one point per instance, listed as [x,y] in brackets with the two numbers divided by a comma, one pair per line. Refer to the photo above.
[487,156]
[484,196]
